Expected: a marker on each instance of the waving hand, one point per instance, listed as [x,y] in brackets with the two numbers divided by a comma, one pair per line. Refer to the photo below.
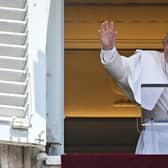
[107,35]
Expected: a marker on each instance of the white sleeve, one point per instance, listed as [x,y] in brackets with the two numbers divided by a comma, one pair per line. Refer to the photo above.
[120,68]
[107,55]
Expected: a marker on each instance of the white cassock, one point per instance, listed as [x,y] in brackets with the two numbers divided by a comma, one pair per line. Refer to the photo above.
[131,73]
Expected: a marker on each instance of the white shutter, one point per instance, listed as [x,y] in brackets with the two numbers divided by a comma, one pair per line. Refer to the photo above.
[22,71]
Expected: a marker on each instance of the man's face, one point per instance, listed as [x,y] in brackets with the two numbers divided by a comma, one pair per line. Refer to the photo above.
[166,52]
[165,43]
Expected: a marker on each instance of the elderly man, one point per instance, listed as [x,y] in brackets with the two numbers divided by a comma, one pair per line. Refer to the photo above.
[144,79]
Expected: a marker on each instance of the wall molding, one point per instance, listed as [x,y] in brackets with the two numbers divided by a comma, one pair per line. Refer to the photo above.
[115,2]
[120,43]
[138,27]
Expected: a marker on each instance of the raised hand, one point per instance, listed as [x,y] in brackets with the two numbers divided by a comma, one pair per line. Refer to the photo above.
[107,35]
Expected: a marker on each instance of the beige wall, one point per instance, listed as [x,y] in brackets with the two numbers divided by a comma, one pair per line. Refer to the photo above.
[138,26]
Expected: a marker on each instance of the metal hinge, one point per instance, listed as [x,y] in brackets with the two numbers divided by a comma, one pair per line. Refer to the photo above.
[19,123]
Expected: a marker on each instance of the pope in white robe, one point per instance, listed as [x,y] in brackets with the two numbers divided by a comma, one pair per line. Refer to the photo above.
[144,79]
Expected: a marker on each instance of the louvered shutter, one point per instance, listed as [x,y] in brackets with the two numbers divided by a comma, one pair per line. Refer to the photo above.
[23,31]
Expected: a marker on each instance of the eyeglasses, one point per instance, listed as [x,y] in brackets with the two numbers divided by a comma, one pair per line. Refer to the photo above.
[165,42]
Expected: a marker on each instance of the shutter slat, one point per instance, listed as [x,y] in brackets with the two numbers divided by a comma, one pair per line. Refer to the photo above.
[12,99]
[12,75]
[11,111]
[12,38]
[8,111]
[12,62]
[12,87]
[12,26]
[12,13]
[13,3]
[12,50]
